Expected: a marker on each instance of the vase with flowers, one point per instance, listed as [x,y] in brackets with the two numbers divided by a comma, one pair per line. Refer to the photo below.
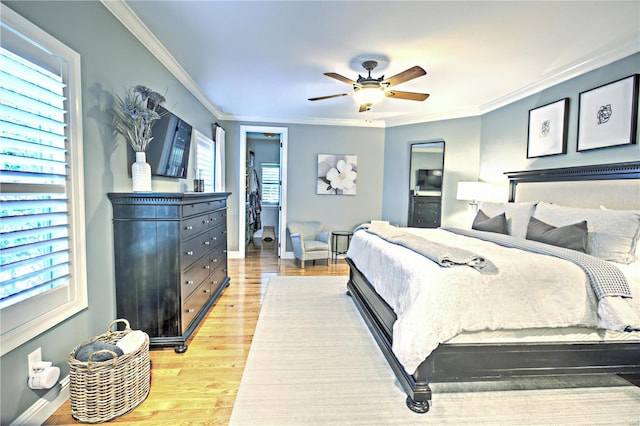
[134,116]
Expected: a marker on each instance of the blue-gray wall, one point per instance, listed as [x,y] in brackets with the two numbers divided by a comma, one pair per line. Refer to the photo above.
[504,131]
[486,147]
[112,60]
[305,143]
[461,162]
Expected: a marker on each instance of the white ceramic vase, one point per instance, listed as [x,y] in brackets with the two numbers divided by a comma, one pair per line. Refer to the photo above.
[141,173]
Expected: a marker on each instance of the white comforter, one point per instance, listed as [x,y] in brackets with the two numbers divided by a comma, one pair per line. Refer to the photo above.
[433,304]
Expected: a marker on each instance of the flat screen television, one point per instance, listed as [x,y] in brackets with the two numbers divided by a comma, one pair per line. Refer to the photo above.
[168,152]
[429,179]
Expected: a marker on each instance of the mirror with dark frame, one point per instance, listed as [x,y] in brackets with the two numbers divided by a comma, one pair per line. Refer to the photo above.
[426,168]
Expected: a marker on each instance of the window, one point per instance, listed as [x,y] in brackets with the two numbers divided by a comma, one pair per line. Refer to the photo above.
[204,160]
[270,177]
[42,259]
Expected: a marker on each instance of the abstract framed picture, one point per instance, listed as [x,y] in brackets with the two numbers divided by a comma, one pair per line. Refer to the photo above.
[337,174]
[608,115]
[548,129]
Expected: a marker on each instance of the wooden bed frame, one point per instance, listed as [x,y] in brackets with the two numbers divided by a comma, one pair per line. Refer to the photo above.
[466,362]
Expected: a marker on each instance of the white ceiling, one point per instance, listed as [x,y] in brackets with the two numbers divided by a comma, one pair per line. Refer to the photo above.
[260,61]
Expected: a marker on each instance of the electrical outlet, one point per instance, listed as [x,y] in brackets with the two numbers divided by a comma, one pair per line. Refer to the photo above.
[33,357]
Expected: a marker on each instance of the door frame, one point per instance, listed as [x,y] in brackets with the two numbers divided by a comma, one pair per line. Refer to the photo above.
[283,132]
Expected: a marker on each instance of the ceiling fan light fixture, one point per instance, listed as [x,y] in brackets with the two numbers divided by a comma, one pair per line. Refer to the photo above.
[368,95]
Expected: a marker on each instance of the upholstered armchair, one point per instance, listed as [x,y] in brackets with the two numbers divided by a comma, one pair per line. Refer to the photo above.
[309,242]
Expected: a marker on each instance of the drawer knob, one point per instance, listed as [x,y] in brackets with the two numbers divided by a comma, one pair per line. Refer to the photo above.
[214,238]
[214,282]
[188,228]
[214,260]
[189,282]
[207,267]
[190,253]
[190,311]
[206,243]
[205,221]
[206,290]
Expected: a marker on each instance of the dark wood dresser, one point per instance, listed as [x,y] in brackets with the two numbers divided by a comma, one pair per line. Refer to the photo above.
[170,254]
[424,211]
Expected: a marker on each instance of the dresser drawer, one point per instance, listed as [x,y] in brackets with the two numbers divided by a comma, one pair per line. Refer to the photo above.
[194,303]
[218,276]
[193,226]
[426,222]
[194,249]
[195,275]
[217,257]
[199,208]
[218,236]
[218,217]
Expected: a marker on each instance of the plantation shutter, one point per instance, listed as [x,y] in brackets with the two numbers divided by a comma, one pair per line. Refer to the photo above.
[270,183]
[204,161]
[34,211]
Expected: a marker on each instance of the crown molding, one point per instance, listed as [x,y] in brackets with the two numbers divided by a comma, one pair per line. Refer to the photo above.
[426,118]
[595,61]
[306,120]
[132,22]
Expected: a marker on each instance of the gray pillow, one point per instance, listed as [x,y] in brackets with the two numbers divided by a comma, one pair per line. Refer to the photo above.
[572,236]
[613,234]
[84,351]
[517,214]
[497,224]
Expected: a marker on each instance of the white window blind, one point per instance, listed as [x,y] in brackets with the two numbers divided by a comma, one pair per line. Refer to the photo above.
[270,177]
[42,271]
[205,160]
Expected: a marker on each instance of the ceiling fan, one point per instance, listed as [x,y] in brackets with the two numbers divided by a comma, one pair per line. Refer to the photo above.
[369,90]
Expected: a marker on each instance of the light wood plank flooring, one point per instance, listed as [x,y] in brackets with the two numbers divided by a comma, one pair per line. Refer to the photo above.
[199,387]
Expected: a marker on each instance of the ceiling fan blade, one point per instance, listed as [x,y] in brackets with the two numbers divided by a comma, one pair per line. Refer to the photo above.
[319,98]
[364,107]
[412,96]
[405,75]
[339,77]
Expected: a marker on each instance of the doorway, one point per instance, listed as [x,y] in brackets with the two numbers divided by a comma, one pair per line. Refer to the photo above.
[274,133]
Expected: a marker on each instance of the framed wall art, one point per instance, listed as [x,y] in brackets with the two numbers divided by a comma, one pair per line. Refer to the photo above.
[608,115]
[337,174]
[548,129]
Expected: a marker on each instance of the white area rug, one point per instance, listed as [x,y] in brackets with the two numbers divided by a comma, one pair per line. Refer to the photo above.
[313,362]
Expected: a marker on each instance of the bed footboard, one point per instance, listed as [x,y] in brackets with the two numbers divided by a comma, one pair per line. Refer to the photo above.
[379,318]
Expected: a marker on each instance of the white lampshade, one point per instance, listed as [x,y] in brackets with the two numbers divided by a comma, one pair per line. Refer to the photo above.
[368,95]
[474,191]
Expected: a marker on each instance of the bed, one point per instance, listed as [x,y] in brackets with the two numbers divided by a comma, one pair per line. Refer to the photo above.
[578,347]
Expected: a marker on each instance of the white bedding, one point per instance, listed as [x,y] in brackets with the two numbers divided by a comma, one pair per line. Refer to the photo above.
[435,304]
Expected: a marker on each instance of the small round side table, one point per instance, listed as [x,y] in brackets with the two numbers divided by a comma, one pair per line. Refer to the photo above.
[335,238]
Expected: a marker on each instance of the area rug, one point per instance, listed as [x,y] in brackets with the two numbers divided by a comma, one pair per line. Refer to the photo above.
[313,362]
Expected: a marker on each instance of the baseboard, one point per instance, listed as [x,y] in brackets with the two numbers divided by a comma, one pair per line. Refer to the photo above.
[43,408]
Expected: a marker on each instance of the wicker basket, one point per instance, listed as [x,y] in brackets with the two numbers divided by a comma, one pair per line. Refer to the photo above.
[102,391]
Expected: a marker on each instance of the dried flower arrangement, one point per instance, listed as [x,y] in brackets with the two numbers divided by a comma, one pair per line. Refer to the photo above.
[135,115]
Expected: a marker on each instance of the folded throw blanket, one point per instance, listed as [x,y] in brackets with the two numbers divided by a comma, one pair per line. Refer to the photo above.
[86,350]
[605,278]
[444,255]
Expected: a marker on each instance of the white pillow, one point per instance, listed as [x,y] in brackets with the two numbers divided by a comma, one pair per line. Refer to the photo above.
[638,240]
[613,234]
[517,214]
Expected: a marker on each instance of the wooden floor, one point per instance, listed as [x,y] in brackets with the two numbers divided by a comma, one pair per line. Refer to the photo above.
[199,387]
